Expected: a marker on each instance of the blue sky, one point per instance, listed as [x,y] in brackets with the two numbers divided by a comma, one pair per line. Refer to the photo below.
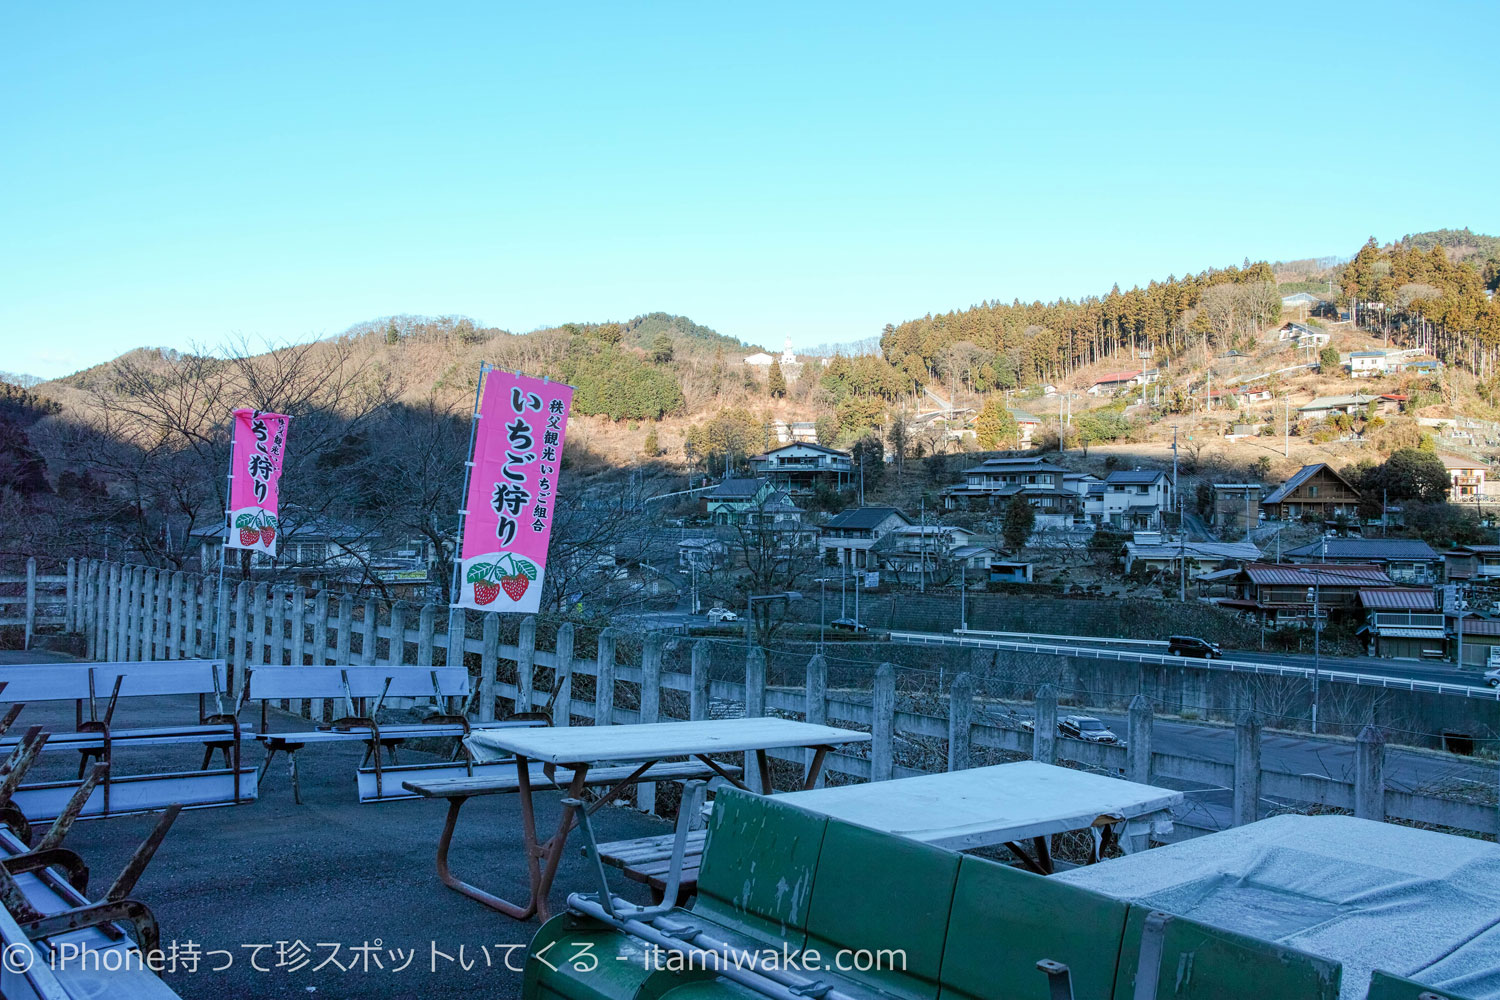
[177,176]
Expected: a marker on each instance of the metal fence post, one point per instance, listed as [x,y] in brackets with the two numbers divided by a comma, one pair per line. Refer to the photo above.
[1044,736]
[1246,769]
[960,722]
[883,723]
[1140,726]
[1369,774]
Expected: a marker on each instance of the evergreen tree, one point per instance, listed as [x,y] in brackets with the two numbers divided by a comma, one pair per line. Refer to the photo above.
[661,348]
[392,336]
[1329,362]
[996,426]
[1016,522]
[652,446]
[775,380]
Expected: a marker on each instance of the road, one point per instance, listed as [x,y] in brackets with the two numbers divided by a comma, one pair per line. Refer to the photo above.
[1376,669]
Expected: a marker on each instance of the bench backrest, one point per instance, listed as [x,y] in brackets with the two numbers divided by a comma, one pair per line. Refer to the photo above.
[876,892]
[70,681]
[1004,920]
[1385,986]
[274,683]
[758,866]
[1200,962]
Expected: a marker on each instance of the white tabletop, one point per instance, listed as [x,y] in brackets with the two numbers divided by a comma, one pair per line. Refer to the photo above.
[983,806]
[656,740]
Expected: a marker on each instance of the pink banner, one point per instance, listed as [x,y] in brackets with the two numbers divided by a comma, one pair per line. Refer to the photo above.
[254,474]
[512,492]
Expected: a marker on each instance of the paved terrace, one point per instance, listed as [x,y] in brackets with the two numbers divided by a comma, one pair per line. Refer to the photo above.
[328,871]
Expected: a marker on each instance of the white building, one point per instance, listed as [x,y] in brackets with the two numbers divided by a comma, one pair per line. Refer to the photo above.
[1369,364]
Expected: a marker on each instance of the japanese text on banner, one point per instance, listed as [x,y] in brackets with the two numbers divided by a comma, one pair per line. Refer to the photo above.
[254,478]
[512,492]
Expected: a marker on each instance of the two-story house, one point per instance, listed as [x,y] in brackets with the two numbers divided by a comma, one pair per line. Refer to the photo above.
[1369,364]
[1314,491]
[1111,382]
[799,467]
[1477,563]
[934,549]
[1408,561]
[1134,498]
[1467,476]
[1282,593]
[850,534]
[1236,506]
[992,483]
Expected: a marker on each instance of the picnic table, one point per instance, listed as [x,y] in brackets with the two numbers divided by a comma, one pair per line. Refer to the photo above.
[1002,804]
[568,759]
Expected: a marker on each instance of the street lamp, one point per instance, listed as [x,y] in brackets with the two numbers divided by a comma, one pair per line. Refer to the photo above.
[788,595]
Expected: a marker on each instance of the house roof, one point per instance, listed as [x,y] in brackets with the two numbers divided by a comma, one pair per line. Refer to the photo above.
[738,489]
[970,551]
[1367,549]
[1022,417]
[1303,575]
[1141,476]
[807,444]
[1465,550]
[1455,462]
[1241,487]
[1196,550]
[1301,476]
[1329,402]
[1395,397]
[1015,465]
[1367,354]
[864,518]
[1111,377]
[1397,599]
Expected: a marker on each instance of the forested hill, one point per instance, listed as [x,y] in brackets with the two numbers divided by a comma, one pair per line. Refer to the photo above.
[1432,286]
[1021,343]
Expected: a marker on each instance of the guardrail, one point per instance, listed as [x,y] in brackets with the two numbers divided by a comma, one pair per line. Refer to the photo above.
[1102,640]
[1233,666]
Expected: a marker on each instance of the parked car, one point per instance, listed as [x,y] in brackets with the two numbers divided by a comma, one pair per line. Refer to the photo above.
[1086,728]
[848,625]
[1187,645]
[1492,677]
[717,615]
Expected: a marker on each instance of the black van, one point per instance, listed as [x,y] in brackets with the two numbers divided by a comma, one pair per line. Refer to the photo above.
[1187,645]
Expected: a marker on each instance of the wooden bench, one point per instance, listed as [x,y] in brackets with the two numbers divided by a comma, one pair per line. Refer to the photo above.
[96,738]
[363,691]
[647,860]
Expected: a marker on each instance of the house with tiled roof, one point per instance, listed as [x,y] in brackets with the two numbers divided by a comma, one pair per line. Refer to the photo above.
[1286,593]
[993,482]
[1110,382]
[799,467]
[851,534]
[1133,499]
[1403,623]
[1405,560]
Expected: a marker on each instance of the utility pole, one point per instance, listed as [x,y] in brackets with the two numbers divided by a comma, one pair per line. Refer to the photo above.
[1062,434]
[1286,426]
[921,551]
[1181,527]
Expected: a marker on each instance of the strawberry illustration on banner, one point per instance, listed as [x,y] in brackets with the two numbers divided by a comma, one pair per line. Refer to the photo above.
[259,444]
[507,518]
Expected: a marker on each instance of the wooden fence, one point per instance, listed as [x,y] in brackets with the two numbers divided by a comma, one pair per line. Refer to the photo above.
[43,600]
[138,613]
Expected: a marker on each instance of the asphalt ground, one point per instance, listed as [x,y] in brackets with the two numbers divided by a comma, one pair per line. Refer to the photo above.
[329,898]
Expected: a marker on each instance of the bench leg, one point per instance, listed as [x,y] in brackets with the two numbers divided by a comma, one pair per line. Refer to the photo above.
[265,765]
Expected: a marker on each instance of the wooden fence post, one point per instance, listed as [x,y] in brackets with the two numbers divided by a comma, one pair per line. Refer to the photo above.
[645,792]
[525,665]
[1246,769]
[221,620]
[396,653]
[344,632]
[277,616]
[181,620]
[1140,725]
[108,586]
[1044,726]
[151,630]
[426,634]
[260,642]
[458,631]
[164,611]
[562,678]
[489,666]
[369,633]
[112,610]
[241,634]
[70,597]
[1369,774]
[960,722]
[755,707]
[296,616]
[816,702]
[319,648]
[604,680]
[140,601]
[698,696]
[883,723]
[30,601]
